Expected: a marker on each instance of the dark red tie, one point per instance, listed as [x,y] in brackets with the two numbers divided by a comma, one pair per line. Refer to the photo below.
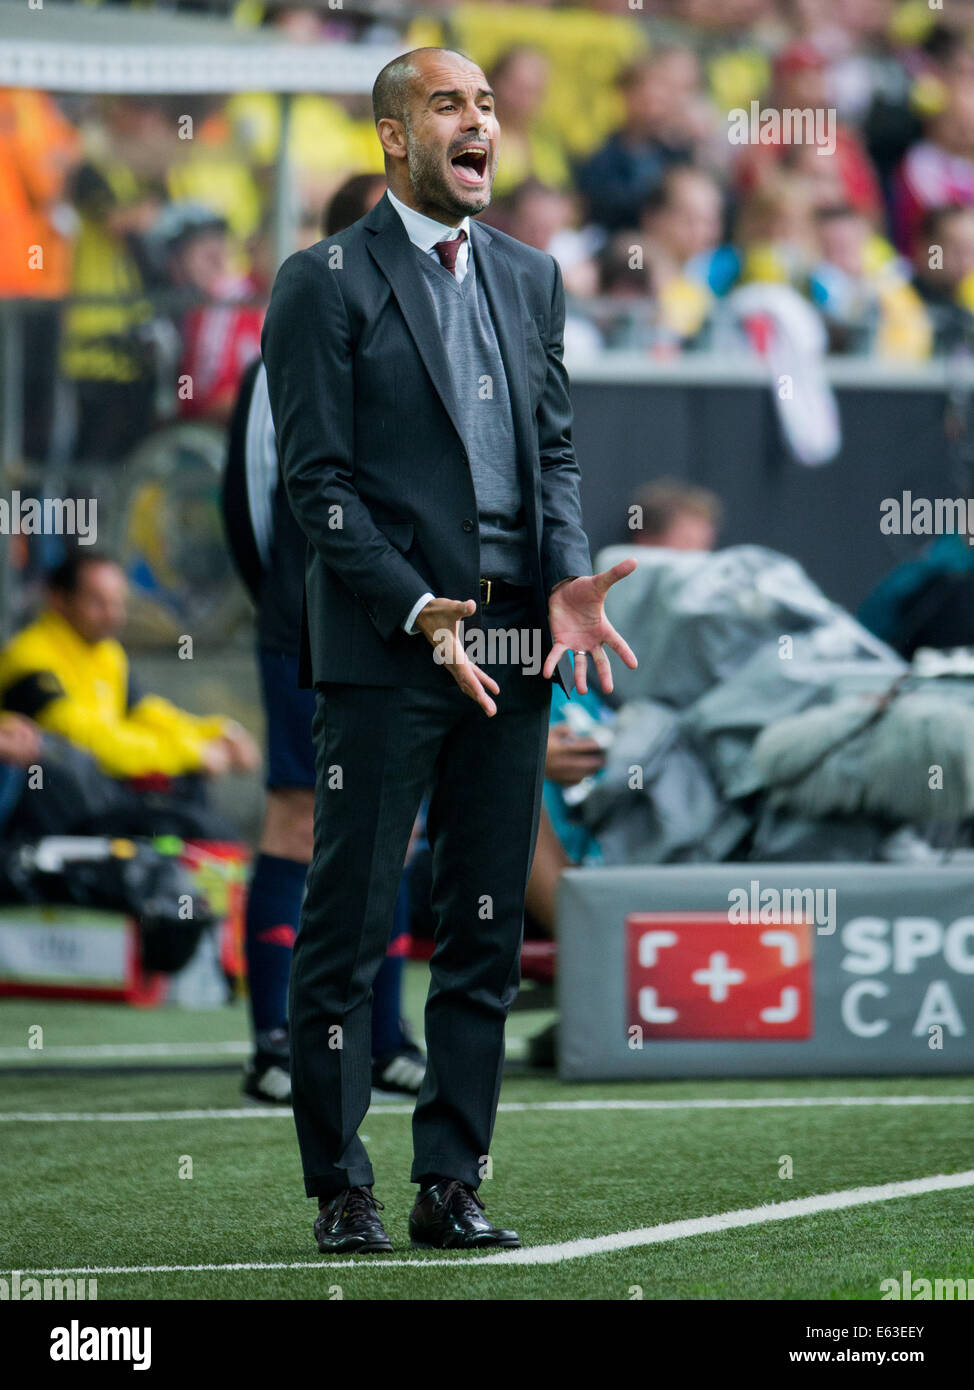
[449,250]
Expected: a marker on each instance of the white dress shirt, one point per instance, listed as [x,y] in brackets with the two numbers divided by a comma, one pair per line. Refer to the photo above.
[425,232]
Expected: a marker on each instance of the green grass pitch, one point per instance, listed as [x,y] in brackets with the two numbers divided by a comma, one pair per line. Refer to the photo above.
[108,1194]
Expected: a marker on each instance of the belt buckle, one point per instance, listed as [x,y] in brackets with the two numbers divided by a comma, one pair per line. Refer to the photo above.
[485,588]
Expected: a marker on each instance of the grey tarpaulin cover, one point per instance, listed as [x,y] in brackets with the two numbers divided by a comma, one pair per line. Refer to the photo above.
[913,761]
[655,802]
[728,644]
[727,719]
[694,618]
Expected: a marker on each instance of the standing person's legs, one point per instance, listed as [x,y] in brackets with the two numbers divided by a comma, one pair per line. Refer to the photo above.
[375,749]
[277,879]
[482,824]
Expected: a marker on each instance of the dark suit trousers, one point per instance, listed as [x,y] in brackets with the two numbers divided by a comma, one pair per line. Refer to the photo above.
[378,750]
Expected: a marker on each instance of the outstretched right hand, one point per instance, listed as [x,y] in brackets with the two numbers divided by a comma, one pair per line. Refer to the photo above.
[439,622]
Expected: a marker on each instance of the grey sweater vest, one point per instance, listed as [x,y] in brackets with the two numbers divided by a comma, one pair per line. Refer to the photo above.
[484,403]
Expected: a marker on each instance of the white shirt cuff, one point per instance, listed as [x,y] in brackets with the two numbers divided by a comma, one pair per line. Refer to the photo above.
[414,613]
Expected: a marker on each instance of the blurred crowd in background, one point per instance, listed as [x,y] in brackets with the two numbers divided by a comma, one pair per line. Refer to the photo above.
[615,157]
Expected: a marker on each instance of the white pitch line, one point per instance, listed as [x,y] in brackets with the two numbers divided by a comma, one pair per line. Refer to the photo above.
[129,1050]
[507,1107]
[594,1245]
[134,1051]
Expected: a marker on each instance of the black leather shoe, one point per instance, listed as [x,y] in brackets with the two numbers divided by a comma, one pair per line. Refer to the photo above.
[350,1225]
[449,1216]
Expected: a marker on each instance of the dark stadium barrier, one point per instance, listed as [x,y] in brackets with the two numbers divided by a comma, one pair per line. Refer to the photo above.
[715,426]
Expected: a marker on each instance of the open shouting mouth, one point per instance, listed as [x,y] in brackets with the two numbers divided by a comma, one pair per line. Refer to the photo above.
[470,164]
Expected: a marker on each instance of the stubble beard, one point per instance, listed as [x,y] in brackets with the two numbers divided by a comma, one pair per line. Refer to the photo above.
[430,185]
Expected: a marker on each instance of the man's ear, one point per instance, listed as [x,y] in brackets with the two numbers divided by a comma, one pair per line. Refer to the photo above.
[392,137]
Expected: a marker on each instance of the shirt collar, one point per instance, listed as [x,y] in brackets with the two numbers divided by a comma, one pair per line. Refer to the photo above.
[424,231]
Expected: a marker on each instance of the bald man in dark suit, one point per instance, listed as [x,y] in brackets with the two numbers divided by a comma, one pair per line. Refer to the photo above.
[414,366]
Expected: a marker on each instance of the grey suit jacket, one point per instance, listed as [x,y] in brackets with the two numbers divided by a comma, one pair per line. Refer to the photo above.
[374,464]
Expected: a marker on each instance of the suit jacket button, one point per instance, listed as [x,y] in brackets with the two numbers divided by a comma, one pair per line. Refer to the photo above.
[467,525]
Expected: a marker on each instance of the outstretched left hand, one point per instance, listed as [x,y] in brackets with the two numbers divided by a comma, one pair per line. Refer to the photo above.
[576,614]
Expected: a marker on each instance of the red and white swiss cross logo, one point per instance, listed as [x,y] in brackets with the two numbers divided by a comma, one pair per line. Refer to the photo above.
[697,975]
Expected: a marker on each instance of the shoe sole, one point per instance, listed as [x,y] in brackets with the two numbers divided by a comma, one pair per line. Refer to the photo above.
[357,1248]
[476,1245]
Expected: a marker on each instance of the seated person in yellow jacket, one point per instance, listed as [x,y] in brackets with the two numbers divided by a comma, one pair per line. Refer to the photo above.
[68,672]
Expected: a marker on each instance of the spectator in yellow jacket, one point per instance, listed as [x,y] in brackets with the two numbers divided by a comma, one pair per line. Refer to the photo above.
[69,673]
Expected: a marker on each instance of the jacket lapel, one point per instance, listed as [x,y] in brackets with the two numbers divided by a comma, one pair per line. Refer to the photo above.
[395,256]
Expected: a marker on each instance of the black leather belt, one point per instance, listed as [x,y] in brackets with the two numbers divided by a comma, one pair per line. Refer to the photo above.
[491,590]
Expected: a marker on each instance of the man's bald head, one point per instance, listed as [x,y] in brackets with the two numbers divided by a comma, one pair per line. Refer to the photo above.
[393,88]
